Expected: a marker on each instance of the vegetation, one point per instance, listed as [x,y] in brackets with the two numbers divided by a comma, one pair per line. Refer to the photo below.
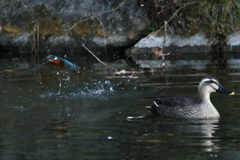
[213,17]
[217,17]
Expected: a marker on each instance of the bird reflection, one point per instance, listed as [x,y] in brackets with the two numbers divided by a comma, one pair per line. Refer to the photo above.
[175,133]
[193,133]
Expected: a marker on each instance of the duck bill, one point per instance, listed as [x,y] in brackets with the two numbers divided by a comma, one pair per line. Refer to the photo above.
[221,89]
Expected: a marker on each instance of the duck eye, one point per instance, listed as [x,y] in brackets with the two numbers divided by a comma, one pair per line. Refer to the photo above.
[209,82]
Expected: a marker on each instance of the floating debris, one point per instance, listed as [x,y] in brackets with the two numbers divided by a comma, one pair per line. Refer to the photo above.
[125,74]
[129,118]
[117,73]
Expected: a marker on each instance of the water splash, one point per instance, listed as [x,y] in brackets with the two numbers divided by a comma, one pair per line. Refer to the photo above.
[101,90]
[96,90]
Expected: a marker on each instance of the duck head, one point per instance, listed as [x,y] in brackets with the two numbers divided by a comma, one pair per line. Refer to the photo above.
[209,85]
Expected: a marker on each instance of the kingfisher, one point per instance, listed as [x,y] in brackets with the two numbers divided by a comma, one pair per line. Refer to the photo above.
[62,63]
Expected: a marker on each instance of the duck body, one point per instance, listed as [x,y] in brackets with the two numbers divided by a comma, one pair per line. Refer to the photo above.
[184,106]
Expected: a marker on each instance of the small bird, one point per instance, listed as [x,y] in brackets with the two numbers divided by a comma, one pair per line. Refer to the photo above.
[183,106]
[52,60]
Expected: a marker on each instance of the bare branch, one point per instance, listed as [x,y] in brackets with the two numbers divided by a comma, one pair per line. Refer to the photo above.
[154,33]
[97,15]
[99,59]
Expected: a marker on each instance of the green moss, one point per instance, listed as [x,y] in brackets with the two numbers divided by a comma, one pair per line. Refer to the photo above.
[13,31]
[48,23]
[85,28]
[25,20]
[18,5]
[26,15]
[41,11]
[49,26]
[220,16]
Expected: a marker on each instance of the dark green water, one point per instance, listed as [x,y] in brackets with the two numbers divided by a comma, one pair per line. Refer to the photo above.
[83,115]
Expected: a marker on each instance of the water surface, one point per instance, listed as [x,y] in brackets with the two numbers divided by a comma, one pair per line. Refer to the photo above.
[83,114]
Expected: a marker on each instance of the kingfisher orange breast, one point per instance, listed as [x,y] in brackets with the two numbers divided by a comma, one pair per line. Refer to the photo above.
[59,64]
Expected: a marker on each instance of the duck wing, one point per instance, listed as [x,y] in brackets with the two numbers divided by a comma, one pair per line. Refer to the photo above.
[178,106]
[178,100]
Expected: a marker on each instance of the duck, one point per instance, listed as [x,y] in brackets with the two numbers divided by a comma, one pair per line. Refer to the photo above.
[185,106]
[52,60]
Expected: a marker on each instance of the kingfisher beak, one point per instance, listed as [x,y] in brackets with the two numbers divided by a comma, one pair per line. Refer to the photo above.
[44,60]
[221,89]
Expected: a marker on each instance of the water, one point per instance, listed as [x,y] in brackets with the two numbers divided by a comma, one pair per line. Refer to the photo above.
[83,115]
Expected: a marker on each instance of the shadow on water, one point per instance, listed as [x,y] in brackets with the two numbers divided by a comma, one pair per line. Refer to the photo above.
[82,115]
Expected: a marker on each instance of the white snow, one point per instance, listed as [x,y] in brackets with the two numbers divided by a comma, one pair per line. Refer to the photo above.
[233,39]
[112,40]
[195,40]
[59,39]
[154,41]
[21,38]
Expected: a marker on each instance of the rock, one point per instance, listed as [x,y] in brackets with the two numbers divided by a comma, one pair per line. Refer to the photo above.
[174,44]
[64,25]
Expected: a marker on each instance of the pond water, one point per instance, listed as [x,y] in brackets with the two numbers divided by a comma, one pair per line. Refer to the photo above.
[83,114]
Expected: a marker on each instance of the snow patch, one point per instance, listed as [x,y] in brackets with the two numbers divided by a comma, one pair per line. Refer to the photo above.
[233,39]
[59,39]
[154,41]
[21,38]
[112,40]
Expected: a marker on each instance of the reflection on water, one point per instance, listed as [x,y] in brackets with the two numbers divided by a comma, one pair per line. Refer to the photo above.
[82,115]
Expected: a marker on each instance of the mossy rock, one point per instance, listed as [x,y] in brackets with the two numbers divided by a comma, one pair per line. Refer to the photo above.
[13,31]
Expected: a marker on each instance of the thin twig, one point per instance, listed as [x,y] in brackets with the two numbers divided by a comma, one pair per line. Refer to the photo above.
[99,59]
[165,34]
[25,41]
[37,51]
[124,63]
[34,38]
[104,33]
[97,15]
[154,33]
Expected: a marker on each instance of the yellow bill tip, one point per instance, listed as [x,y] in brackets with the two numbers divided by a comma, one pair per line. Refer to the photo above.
[231,93]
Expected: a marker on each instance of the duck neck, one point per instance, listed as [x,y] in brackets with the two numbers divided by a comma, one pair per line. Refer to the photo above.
[205,97]
[207,105]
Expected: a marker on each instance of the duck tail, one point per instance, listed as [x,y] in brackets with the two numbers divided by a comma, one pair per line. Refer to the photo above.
[148,107]
[152,109]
